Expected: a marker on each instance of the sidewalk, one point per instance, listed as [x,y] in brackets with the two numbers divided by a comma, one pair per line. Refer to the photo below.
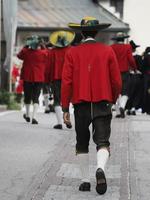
[125,176]
[3,108]
[51,172]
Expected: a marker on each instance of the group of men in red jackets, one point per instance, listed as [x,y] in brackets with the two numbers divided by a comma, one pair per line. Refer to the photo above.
[92,76]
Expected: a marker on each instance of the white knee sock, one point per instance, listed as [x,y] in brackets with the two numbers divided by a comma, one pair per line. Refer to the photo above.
[35,108]
[27,106]
[84,167]
[133,109]
[117,105]
[58,114]
[117,108]
[123,101]
[102,158]
[46,100]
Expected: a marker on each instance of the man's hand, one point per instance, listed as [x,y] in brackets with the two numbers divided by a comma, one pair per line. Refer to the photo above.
[66,117]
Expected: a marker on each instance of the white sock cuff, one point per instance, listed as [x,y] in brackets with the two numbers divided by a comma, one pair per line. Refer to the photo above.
[83,160]
[27,106]
[102,158]
[35,108]
[123,101]
[58,112]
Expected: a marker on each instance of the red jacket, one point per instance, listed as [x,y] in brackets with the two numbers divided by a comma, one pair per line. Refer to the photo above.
[91,74]
[49,69]
[124,56]
[15,73]
[57,61]
[34,64]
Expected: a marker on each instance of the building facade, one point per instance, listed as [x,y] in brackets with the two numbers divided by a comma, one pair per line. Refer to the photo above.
[42,17]
[137,13]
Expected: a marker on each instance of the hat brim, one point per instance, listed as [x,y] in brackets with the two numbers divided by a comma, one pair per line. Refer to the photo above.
[120,38]
[136,46]
[69,37]
[97,27]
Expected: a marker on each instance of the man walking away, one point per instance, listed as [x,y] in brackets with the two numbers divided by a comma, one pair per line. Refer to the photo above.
[91,81]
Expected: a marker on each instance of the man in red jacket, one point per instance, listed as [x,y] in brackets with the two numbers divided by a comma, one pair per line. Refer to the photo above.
[91,81]
[61,41]
[33,74]
[126,63]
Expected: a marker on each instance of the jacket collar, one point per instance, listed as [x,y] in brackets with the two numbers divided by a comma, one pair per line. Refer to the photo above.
[89,40]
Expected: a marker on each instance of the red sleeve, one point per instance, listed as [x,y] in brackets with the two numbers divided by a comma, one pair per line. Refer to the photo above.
[115,76]
[131,60]
[67,77]
[21,54]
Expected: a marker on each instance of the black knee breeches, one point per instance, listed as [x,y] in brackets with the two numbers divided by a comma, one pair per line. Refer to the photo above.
[31,92]
[99,114]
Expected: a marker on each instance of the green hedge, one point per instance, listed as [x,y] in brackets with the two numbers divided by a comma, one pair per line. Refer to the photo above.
[9,99]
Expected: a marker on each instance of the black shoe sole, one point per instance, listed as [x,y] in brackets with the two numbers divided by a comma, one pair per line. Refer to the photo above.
[101,186]
[59,126]
[34,123]
[120,116]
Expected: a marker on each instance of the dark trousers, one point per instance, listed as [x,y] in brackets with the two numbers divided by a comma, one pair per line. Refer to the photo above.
[125,83]
[146,100]
[99,114]
[46,88]
[31,92]
[57,92]
[135,92]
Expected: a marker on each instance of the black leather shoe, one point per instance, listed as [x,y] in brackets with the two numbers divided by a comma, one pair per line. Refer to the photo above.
[34,121]
[58,126]
[85,186]
[69,125]
[47,111]
[101,185]
[26,118]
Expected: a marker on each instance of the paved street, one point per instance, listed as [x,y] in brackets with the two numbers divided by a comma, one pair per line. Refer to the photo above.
[39,163]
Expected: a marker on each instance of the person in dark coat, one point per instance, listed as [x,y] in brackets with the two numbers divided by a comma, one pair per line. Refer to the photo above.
[136,82]
[126,63]
[34,59]
[61,41]
[91,81]
[146,71]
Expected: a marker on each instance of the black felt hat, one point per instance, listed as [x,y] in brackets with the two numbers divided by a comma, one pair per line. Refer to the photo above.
[134,46]
[120,36]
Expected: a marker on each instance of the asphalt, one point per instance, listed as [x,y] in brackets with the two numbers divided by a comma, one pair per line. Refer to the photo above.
[39,163]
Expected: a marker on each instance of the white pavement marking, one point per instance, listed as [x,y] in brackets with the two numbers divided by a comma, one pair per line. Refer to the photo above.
[72,193]
[73,171]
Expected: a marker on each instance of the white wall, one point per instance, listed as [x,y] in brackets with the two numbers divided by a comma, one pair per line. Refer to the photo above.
[137,14]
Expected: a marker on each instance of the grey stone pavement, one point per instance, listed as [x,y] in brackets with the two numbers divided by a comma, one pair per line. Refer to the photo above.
[39,163]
